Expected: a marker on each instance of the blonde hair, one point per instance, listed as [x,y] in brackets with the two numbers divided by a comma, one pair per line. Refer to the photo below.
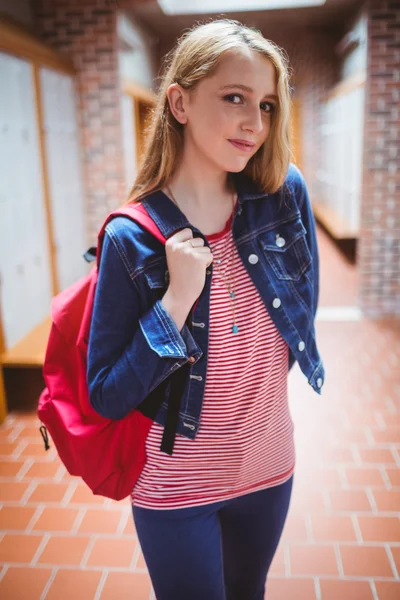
[195,56]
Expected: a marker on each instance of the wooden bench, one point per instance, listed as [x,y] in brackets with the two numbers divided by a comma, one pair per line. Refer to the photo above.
[28,352]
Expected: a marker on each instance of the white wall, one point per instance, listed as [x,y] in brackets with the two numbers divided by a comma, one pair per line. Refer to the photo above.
[137,61]
[356,62]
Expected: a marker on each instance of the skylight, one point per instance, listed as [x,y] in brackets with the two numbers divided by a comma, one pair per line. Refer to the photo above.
[188,7]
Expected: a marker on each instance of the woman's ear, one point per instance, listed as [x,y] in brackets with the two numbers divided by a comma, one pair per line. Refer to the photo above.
[177,102]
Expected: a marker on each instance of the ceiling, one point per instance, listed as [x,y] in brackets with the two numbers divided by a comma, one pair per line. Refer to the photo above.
[334,14]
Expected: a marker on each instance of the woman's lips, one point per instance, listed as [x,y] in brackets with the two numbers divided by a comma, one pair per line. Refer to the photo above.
[245,146]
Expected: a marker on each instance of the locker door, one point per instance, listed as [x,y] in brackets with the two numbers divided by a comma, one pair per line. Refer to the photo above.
[25,276]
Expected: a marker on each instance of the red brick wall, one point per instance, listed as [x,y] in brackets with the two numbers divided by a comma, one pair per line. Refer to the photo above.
[85,30]
[379,245]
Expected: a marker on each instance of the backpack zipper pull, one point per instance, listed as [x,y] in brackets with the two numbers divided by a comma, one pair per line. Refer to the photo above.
[45,437]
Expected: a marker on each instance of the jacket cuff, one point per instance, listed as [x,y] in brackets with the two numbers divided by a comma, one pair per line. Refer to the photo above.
[163,336]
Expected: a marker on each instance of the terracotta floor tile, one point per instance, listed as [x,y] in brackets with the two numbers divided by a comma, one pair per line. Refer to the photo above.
[56,519]
[35,449]
[84,495]
[387,500]
[10,468]
[18,580]
[338,455]
[354,435]
[345,590]
[365,561]
[130,527]
[306,501]
[278,563]
[42,470]
[390,435]
[389,418]
[376,455]
[324,477]
[379,529]
[364,477]
[63,550]
[126,586]
[388,590]
[112,553]
[288,589]
[394,476]
[16,547]
[31,432]
[295,528]
[349,500]
[313,560]
[326,528]
[71,583]
[396,556]
[7,448]
[15,517]
[100,521]
[49,492]
[6,433]
[140,563]
[12,491]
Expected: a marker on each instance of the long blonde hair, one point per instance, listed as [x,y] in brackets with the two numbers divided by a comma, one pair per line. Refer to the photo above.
[195,56]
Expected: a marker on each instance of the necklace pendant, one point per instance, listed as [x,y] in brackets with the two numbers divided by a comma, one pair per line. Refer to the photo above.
[235,328]
[232,294]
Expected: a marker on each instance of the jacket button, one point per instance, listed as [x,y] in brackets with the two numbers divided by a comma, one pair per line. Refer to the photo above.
[192,359]
[301,346]
[276,303]
[253,259]
[319,382]
[280,241]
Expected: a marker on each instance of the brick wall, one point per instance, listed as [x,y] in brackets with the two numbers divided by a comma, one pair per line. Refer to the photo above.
[85,30]
[379,245]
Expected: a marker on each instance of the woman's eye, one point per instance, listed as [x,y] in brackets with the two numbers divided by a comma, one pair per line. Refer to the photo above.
[230,97]
[268,107]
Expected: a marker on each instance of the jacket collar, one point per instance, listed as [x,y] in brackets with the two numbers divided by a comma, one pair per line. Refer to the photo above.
[170,219]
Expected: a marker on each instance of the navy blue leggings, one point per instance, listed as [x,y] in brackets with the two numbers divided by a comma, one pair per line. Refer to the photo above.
[220,551]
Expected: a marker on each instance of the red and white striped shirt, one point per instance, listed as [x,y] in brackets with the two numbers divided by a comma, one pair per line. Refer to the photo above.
[245,440]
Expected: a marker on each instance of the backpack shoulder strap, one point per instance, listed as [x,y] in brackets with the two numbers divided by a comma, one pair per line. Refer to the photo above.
[136,212]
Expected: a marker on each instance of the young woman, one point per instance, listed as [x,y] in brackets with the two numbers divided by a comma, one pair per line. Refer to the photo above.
[228,303]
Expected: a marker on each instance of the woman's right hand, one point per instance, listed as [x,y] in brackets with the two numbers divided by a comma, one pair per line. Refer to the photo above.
[187,266]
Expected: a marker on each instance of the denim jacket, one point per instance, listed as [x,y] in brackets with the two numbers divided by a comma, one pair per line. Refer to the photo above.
[135,345]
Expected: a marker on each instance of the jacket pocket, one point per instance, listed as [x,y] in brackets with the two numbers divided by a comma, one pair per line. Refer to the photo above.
[286,250]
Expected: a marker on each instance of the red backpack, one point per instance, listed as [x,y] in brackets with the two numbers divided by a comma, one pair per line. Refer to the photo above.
[108,455]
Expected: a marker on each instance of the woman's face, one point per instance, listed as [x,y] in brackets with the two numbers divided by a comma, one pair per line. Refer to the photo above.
[233,106]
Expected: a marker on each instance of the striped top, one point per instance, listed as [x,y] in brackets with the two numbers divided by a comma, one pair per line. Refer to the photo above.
[245,440]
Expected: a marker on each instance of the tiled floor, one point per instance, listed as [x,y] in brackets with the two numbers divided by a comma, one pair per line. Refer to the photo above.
[342,538]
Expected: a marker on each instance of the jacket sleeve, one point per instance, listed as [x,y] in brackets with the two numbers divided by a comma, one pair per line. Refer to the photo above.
[129,353]
[308,220]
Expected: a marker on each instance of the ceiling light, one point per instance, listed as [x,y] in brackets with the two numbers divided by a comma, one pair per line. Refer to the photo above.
[196,7]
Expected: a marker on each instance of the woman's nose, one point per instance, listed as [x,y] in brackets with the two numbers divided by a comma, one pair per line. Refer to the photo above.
[253,120]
